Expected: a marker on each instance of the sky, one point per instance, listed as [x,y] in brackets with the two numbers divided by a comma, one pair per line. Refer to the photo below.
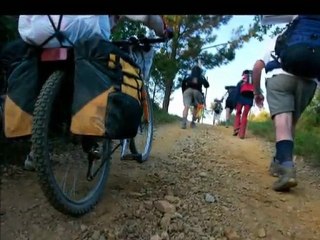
[229,74]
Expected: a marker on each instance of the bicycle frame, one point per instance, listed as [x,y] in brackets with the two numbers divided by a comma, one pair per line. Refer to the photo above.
[144,59]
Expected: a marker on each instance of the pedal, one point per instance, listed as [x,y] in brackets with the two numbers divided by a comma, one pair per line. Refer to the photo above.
[131,156]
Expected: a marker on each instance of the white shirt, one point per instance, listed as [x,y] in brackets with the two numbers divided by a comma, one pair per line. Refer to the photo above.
[35,29]
[268,58]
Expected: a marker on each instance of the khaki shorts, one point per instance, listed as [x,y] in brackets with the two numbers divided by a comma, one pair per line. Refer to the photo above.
[287,93]
[192,97]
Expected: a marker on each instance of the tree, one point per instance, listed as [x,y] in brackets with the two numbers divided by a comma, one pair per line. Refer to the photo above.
[8,32]
[8,29]
[192,33]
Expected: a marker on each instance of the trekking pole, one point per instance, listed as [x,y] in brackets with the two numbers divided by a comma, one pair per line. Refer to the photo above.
[205,100]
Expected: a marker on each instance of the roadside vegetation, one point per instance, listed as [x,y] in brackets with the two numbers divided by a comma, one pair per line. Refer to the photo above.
[307,139]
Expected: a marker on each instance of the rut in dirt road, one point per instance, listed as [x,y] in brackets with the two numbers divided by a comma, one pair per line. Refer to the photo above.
[199,183]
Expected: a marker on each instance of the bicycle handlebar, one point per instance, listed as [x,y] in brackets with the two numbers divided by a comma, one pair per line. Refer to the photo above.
[139,41]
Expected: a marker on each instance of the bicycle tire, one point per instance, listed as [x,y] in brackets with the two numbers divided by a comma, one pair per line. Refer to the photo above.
[46,178]
[145,153]
[1,120]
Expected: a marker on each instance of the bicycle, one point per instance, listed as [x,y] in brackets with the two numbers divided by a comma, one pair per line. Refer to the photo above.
[49,158]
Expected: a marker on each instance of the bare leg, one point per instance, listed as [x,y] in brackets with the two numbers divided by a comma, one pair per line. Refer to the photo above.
[228,115]
[284,126]
[184,117]
[194,114]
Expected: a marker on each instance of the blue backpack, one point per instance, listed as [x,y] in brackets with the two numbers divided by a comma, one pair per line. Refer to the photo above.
[298,47]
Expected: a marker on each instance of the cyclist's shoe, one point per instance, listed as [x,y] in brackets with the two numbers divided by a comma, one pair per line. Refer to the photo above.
[94,153]
[192,124]
[287,179]
[29,163]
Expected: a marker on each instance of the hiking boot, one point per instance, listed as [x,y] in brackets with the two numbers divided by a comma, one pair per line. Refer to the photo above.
[29,163]
[236,132]
[227,123]
[192,124]
[183,125]
[287,178]
[274,168]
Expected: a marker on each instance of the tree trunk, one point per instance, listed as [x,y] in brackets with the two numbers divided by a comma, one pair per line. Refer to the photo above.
[167,94]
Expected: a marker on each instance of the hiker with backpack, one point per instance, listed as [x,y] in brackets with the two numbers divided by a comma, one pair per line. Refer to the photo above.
[244,102]
[192,94]
[230,102]
[217,110]
[292,64]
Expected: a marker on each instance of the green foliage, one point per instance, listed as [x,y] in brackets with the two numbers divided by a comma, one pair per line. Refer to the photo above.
[307,143]
[262,116]
[307,138]
[127,28]
[8,29]
[192,33]
[162,117]
[311,117]
[263,129]
[8,32]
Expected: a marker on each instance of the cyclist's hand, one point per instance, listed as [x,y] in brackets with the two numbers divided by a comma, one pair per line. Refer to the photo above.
[133,39]
[168,33]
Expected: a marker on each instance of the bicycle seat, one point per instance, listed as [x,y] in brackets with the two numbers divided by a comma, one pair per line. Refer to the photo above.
[54,54]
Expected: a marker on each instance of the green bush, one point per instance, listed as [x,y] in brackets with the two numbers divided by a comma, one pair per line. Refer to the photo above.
[307,138]
[162,117]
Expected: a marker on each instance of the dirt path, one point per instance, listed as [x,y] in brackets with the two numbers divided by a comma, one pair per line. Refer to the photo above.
[200,183]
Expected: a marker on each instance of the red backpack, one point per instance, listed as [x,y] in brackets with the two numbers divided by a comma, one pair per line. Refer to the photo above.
[247,88]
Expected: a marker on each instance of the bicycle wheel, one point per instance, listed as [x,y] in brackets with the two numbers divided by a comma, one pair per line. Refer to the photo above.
[141,144]
[1,119]
[54,160]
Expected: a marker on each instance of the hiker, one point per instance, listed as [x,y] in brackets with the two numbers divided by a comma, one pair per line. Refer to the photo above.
[244,102]
[38,30]
[288,93]
[230,102]
[217,110]
[192,94]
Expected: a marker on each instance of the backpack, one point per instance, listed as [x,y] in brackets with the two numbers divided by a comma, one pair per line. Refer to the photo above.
[109,95]
[246,88]
[217,108]
[298,47]
[184,84]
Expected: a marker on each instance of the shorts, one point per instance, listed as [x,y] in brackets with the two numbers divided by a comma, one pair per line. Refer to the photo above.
[230,105]
[286,93]
[192,97]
